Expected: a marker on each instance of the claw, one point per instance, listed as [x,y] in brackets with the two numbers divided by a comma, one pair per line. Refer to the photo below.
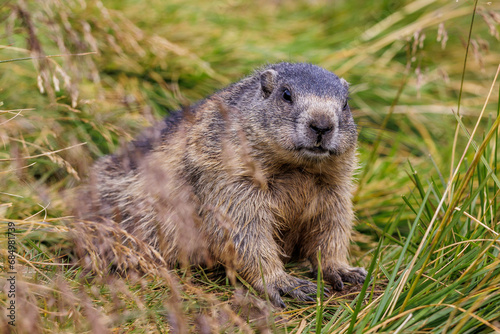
[334,279]
[277,301]
[301,295]
[281,304]
[296,288]
[338,285]
[336,276]
[309,299]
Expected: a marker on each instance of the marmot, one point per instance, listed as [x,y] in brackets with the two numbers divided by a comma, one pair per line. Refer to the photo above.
[262,169]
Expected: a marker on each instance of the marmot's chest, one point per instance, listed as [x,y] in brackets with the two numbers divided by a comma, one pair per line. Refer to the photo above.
[298,197]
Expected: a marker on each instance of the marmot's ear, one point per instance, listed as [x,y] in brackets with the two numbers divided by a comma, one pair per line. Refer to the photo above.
[344,83]
[268,82]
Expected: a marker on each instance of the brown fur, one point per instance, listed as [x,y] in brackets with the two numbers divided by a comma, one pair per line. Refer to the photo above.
[246,172]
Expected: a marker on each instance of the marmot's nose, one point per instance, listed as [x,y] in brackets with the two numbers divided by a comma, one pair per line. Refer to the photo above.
[321,126]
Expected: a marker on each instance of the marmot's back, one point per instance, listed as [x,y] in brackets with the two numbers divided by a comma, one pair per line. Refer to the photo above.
[263,167]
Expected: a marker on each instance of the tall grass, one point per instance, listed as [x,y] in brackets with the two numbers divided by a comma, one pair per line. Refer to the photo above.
[79,79]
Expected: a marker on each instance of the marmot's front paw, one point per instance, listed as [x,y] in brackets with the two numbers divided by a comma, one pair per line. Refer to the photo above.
[336,276]
[294,287]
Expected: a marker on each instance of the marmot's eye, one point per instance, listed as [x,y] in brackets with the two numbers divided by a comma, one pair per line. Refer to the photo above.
[345,105]
[287,96]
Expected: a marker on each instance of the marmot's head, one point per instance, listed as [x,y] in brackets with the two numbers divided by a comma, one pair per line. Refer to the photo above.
[307,109]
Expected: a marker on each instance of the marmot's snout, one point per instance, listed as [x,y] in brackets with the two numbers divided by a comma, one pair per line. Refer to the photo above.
[320,127]
[318,133]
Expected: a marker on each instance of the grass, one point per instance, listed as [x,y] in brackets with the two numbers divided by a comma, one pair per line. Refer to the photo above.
[425,96]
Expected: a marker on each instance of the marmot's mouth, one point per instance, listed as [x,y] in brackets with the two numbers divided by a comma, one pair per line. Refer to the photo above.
[318,151]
